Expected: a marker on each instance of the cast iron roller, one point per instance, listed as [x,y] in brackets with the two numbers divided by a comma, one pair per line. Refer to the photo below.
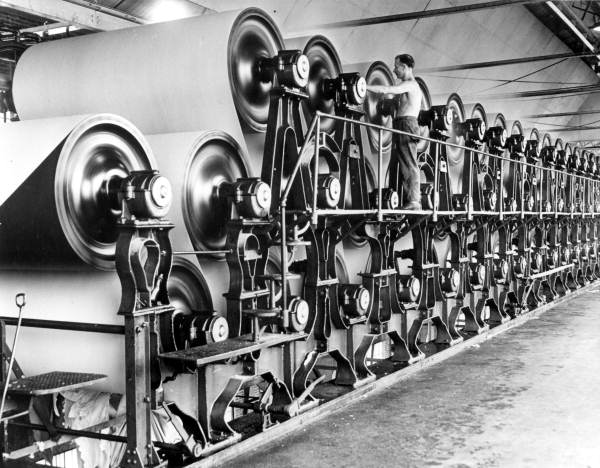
[254,39]
[329,191]
[354,299]
[516,144]
[533,149]
[346,89]
[298,314]
[549,154]
[205,330]
[146,194]
[496,137]
[472,129]
[197,329]
[450,280]
[251,196]
[389,199]
[409,288]
[437,118]
[500,269]
[291,68]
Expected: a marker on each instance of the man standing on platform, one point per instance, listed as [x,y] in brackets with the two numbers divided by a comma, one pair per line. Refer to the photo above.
[404,172]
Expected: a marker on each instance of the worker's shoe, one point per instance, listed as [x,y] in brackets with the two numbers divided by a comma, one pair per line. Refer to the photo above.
[412,206]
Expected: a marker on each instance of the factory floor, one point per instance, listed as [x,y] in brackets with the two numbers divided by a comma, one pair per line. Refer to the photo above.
[529,397]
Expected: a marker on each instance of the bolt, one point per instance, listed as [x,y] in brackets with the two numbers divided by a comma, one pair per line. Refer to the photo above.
[146,399]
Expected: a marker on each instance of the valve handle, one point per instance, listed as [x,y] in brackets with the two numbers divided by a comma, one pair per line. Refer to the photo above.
[20,300]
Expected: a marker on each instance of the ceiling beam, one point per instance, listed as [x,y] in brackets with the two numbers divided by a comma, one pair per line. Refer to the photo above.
[86,15]
[500,63]
[415,15]
[570,90]
[562,114]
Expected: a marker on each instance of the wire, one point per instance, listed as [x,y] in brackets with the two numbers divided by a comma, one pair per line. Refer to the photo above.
[524,76]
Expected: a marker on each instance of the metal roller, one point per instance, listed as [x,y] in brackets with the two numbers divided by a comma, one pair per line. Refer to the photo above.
[65,211]
[533,146]
[93,297]
[378,74]
[476,116]
[423,145]
[324,63]
[456,115]
[497,133]
[254,37]
[177,76]
[200,166]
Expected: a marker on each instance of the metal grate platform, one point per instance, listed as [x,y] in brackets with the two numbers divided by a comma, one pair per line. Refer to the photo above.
[53,382]
[203,355]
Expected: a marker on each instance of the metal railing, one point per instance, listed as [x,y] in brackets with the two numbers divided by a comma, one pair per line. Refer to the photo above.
[585,187]
[587,183]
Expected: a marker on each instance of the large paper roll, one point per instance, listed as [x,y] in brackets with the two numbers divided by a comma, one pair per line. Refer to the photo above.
[177,76]
[197,163]
[59,182]
[85,297]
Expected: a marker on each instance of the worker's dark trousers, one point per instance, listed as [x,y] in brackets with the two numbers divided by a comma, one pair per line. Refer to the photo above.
[404,172]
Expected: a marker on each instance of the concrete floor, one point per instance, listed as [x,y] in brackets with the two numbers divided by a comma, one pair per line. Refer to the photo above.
[527,398]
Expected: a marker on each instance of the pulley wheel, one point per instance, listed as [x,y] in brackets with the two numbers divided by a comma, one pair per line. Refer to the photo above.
[217,158]
[423,145]
[455,155]
[340,267]
[324,63]
[93,161]
[188,290]
[378,74]
[254,37]
[190,295]
[477,112]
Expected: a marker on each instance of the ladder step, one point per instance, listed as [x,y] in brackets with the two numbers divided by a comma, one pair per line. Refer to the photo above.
[53,382]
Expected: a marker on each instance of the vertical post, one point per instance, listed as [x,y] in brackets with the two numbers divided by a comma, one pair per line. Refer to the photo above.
[284,259]
[522,171]
[469,159]
[500,189]
[379,175]
[436,181]
[541,200]
[315,216]
[556,192]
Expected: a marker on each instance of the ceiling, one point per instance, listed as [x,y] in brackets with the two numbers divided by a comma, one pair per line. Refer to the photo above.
[23,22]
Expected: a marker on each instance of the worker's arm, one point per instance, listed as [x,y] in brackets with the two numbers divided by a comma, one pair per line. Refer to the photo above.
[400,88]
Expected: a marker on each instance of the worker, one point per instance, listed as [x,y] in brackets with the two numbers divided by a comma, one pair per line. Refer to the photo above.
[404,172]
